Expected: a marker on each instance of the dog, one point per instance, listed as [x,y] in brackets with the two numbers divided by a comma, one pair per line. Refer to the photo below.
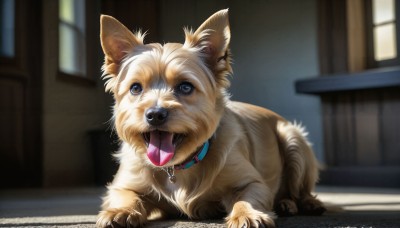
[187,150]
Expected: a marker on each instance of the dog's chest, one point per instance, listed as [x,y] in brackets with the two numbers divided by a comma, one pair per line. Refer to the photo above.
[169,187]
[193,201]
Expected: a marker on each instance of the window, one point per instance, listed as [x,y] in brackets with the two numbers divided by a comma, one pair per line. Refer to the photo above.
[358,35]
[383,33]
[72,38]
[7,28]
[384,17]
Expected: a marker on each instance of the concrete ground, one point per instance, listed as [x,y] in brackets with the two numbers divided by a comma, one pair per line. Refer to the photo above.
[360,207]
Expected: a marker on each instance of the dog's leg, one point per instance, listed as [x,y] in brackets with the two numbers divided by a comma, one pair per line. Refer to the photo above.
[122,208]
[300,173]
[250,207]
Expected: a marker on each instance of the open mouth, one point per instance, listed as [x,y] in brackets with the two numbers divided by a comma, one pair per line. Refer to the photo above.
[161,146]
[176,139]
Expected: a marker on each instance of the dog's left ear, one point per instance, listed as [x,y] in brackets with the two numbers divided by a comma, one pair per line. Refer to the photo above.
[211,38]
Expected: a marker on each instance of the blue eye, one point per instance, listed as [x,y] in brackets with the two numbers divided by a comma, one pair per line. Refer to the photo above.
[136,89]
[185,88]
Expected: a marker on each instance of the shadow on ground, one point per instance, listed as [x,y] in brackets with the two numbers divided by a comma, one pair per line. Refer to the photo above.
[350,207]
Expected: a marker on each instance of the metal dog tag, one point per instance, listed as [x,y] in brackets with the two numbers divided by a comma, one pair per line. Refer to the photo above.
[171,174]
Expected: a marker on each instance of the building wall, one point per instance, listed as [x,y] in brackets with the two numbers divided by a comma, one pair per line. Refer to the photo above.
[70,110]
[273,44]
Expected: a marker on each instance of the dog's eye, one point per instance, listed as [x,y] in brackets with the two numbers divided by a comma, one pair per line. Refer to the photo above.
[136,89]
[185,88]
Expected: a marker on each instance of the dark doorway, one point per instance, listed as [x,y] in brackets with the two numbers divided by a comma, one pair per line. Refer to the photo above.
[20,93]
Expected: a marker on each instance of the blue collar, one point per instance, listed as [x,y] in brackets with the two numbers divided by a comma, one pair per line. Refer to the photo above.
[196,159]
[202,152]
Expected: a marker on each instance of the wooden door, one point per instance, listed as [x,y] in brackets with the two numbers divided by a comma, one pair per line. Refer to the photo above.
[20,93]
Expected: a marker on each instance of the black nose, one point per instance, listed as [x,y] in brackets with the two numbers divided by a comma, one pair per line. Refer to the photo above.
[156,116]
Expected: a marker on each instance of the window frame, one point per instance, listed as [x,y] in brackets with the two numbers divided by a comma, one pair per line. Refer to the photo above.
[88,79]
[371,62]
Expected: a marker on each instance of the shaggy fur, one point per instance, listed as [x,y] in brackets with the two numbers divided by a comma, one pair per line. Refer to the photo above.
[257,163]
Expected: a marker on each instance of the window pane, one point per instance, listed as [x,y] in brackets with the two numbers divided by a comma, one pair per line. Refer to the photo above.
[67,49]
[385,42]
[7,28]
[383,11]
[67,11]
[72,54]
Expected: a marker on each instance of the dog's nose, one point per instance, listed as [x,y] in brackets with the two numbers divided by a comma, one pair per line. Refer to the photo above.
[156,116]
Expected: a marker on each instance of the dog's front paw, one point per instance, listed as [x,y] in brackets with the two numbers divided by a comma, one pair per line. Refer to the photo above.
[121,217]
[244,215]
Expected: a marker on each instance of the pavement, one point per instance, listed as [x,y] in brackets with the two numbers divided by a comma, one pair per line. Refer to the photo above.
[349,207]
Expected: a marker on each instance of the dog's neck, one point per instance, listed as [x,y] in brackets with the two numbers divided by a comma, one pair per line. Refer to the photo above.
[200,153]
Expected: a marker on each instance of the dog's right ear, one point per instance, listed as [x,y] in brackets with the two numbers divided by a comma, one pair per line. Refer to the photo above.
[117,41]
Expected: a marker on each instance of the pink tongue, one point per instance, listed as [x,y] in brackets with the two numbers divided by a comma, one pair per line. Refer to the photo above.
[160,150]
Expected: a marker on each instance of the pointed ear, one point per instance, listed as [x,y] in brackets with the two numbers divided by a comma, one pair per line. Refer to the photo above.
[116,40]
[212,37]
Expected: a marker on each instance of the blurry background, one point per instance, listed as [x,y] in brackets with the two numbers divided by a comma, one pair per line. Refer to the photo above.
[332,65]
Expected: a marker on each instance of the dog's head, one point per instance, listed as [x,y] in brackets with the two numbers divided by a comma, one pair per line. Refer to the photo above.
[169,98]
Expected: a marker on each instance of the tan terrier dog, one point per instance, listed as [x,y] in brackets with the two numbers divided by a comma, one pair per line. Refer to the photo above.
[187,150]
